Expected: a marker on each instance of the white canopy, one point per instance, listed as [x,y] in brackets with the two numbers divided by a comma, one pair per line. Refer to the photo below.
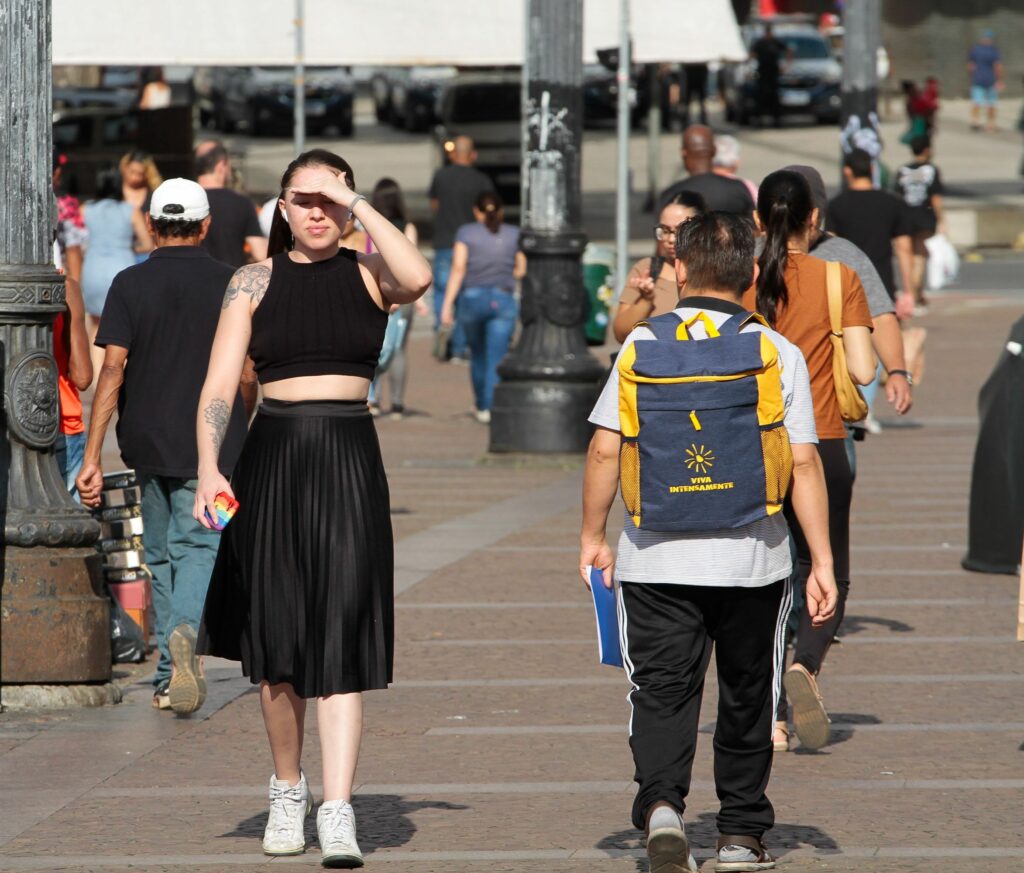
[370,32]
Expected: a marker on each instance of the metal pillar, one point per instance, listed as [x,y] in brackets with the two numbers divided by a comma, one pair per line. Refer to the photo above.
[300,77]
[550,381]
[859,118]
[53,628]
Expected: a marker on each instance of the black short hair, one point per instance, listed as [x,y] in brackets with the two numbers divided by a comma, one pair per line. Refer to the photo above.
[859,162]
[169,227]
[717,249]
[920,144]
[208,160]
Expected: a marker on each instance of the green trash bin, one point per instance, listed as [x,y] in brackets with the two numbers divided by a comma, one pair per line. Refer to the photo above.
[599,280]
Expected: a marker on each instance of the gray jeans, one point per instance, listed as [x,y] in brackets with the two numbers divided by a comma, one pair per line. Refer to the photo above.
[180,553]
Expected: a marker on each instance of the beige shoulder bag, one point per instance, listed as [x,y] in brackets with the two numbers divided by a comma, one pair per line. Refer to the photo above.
[851,402]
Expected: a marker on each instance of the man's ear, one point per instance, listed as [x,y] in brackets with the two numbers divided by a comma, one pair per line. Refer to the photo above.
[816,218]
[680,273]
[204,228]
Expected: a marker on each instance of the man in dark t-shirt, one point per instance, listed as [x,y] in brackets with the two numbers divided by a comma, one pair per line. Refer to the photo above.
[878,223]
[919,184]
[235,226]
[157,331]
[453,193]
[769,52]
[721,194]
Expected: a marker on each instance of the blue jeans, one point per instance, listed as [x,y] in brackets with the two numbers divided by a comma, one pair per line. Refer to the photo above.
[442,270]
[488,317]
[70,451]
[179,553]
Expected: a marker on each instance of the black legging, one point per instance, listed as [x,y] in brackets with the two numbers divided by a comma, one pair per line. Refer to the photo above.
[812,642]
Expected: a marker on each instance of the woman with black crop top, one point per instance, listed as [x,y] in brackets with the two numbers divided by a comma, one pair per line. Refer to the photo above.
[302,591]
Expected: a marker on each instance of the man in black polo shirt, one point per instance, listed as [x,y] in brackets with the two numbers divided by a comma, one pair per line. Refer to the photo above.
[236,225]
[157,329]
[720,193]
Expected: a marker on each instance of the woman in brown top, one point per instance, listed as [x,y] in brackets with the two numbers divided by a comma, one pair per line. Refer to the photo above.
[791,293]
[645,295]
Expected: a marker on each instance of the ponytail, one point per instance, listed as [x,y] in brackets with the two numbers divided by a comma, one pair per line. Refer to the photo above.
[771,281]
[281,239]
[493,208]
[784,206]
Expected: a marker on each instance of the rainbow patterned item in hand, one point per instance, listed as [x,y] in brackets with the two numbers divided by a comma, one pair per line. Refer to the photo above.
[226,507]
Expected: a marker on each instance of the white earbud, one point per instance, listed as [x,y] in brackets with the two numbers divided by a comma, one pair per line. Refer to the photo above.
[284,215]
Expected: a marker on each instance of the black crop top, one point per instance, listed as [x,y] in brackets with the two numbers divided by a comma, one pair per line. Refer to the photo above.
[316,319]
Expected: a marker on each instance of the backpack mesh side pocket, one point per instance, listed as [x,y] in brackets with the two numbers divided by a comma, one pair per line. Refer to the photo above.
[778,465]
[629,476]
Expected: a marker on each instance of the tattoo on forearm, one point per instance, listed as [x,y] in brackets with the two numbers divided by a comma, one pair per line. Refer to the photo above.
[217,414]
[251,279]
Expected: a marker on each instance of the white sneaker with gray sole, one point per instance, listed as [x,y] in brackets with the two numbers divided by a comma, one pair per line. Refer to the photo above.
[289,806]
[336,828]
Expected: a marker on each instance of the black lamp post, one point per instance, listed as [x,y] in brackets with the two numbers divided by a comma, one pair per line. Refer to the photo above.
[550,381]
[53,628]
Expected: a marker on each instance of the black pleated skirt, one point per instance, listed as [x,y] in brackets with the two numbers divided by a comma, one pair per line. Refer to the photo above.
[303,588]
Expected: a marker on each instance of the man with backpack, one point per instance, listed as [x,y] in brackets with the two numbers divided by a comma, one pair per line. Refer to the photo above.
[705,419]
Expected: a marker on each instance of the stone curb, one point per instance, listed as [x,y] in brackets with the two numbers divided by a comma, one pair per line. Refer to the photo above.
[22,697]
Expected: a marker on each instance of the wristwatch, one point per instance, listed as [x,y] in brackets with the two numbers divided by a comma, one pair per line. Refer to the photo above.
[906,374]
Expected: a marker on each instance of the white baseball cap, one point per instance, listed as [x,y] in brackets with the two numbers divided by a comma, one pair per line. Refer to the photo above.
[179,200]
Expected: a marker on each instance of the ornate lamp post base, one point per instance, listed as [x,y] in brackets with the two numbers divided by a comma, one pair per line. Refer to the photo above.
[55,629]
[550,381]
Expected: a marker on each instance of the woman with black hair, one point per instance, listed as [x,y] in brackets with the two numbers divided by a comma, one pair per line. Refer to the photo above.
[646,294]
[387,199]
[486,262]
[116,230]
[302,591]
[792,294]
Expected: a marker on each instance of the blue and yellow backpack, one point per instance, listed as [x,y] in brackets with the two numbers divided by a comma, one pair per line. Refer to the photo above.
[704,446]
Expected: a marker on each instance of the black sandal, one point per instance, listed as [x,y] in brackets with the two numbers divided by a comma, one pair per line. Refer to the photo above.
[762,860]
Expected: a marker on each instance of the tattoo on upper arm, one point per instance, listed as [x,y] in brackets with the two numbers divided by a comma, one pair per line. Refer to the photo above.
[251,279]
[217,414]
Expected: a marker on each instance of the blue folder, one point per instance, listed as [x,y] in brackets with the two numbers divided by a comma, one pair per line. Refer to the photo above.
[607,618]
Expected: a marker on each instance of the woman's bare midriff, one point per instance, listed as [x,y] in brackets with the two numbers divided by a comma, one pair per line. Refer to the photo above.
[318,388]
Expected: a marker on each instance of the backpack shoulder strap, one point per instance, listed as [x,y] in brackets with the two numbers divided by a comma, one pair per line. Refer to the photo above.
[740,320]
[834,282]
[664,327]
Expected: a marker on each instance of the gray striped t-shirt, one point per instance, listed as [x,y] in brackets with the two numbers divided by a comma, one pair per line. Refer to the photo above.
[746,557]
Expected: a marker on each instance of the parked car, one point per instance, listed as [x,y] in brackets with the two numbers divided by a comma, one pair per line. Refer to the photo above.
[808,84]
[329,98]
[487,107]
[414,96]
[262,99]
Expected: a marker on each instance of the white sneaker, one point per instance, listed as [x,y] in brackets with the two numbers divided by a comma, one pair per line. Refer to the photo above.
[872,424]
[482,415]
[336,828]
[289,806]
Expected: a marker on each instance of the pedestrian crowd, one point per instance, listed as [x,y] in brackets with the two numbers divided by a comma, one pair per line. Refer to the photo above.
[246,364]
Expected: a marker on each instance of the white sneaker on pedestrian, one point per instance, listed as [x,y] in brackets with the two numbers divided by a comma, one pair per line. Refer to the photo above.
[872,424]
[482,415]
[336,828]
[289,806]
[667,847]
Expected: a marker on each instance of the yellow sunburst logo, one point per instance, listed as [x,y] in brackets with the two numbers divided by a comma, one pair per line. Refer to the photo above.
[699,460]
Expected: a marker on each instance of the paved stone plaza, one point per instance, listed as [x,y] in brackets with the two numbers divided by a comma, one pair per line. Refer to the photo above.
[503,747]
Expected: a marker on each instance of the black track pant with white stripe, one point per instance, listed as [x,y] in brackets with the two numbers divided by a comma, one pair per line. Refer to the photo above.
[668,633]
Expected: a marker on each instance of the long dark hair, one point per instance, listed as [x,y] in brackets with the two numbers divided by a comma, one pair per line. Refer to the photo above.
[281,239]
[493,208]
[784,204]
[388,201]
[108,183]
